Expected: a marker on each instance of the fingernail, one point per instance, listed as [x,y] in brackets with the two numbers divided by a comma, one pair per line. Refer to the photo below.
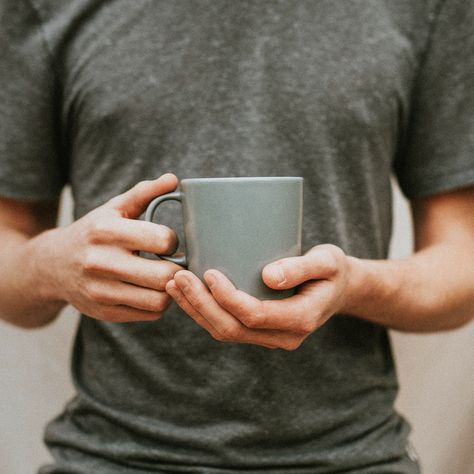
[277,274]
[171,285]
[210,279]
[183,282]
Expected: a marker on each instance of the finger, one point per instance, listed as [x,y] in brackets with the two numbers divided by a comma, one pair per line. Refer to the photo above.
[295,313]
[229,327]
[173,290]
[118,264]
[319,263]
[134,235]
[117,293]
[155,274]
[133,202]
[124,314]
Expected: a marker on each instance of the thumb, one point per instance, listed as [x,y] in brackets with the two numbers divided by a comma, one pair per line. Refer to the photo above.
[133,202]
[322,262]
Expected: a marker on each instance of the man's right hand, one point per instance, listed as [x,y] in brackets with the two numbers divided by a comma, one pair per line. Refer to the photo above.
[93,264]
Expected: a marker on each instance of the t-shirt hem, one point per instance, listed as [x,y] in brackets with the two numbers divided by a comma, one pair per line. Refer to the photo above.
[430,185]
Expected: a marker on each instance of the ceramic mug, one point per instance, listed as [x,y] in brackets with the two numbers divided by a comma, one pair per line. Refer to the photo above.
[237,226]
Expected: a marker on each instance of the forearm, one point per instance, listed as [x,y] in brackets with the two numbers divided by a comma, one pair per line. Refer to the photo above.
[24,263]
[428,291]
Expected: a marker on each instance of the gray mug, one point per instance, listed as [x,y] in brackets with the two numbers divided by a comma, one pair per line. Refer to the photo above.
[237,226]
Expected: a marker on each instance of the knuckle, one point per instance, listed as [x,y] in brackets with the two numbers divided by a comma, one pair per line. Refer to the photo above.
[336,252]
[308,326]
[155,317]
[217,336]
[90,261]
[230,333]
[142,186]
[162,303]
[173,240]
[236,304]
[169,239]
[97,230]
[253,319]
[92,293]
[334,256]
[256,317]
[291,345]
[110,203]
[162,279]
[198,304]
[103,298]
[318,316]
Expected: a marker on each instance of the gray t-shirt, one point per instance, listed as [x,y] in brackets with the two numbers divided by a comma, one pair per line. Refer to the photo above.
[103,94]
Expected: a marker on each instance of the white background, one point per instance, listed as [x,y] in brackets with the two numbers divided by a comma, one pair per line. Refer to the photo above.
[436,376]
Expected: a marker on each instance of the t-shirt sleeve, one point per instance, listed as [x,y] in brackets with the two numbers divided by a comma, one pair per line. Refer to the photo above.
[438,152]
[30,157]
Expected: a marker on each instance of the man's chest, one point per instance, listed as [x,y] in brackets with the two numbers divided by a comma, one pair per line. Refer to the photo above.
[332,64]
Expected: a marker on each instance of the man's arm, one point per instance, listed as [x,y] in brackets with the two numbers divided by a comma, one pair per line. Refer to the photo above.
[21,302]
[434,288]
[90,264]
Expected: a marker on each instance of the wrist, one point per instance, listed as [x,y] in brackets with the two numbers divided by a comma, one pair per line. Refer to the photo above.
[42,254]
[371,286]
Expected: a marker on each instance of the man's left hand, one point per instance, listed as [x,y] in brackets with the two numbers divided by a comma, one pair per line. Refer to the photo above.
[322,278]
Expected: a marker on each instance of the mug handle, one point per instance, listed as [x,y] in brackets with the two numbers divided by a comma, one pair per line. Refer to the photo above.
[150,213]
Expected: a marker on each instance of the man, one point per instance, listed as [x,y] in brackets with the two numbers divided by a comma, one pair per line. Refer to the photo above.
[102,95]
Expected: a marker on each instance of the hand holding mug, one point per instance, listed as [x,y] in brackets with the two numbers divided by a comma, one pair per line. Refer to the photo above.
[322,278]
[93,263]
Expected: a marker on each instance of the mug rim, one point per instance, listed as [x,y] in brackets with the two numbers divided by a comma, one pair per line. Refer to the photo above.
[243,179]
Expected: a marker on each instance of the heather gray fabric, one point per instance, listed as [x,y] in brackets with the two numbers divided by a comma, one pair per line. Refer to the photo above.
[102,94]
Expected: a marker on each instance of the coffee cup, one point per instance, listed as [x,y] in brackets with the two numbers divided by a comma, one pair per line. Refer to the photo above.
[238,225]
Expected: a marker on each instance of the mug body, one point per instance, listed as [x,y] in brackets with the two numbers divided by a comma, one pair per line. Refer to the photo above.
[238,225]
